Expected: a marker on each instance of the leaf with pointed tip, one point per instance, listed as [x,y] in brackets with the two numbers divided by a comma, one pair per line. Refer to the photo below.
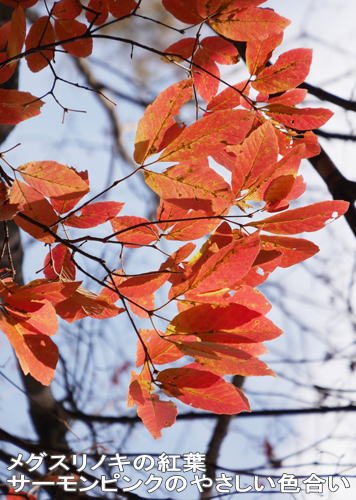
[53,179]
[143,231]
[300,119]
[310,218]
[41,33]
[220,50]
[205,318]
[202,389]
[249,24]
[58,264]
[94,214]
[224,359]
[289,98]
[67,203]
[16,106]
[289,71]
[43,289]
[209,135]
[158,119]
[184,48]
[194,225]
[294,250]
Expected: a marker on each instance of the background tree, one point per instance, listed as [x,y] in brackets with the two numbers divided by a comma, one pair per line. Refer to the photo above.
[86,383]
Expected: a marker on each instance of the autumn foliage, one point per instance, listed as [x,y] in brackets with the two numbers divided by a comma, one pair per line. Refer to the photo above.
[257,131]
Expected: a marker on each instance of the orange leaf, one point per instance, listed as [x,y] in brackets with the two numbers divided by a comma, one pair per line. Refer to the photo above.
[63,205]
[16,106]
[160,350]
[258,52]
[293,250]
[7,210]
[220,50]
[230,97]
[209,135]
[206,74]
[59,265]
[289,71]
[41,33]
[53,179]
[249,24]
[17,32]
[290,98]
[206,318]
[94,214]
[310,218]
[37,354]
[158,120]
[143,231]
[35,206]
[202,389]
[208,8]
[191,186]
[68,29]
[300,119]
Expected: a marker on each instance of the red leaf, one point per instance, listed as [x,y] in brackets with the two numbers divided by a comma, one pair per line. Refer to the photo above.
[59,265]
[205,75]
[183,10]
[67,9]
[289,71]
[293,250]
[160,349]
[37,354]
[300,119]
[94,214]
[202,389]
[67,203]
[53,179]
[16,106]
[310,218]
[101,11]
[67,29]
[41,33]
[143,231]
[158,119]
[191,186]
[208,8]
[35,206]
[249,24]
[155,414]
[7,210]
[258,52]
[84,303]
[19,3]
[230,97]
[121,8]
[184,48]
[206,318]
[258,152]
[209,135]
[220,50]
[290,98]
[17,32]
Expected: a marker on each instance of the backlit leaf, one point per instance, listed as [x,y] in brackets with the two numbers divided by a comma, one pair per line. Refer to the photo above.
[300,119]
[41,33]
[16,106]
[94,214]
